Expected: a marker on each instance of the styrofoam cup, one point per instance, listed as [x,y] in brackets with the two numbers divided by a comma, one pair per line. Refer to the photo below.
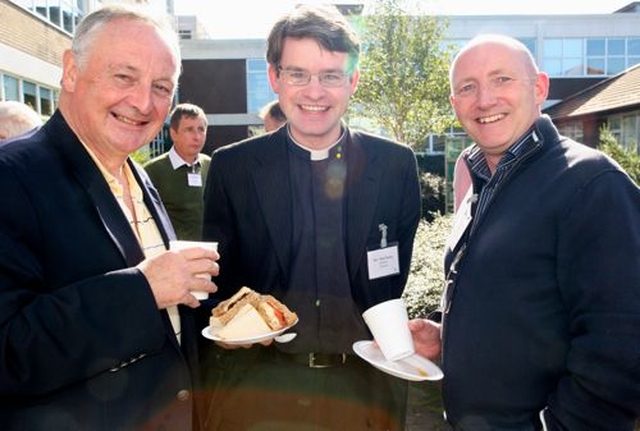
[178,244]
[388,322]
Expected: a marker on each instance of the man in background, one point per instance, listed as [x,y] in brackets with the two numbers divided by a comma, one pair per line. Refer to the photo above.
[272,116]
[180,173]
[17,120]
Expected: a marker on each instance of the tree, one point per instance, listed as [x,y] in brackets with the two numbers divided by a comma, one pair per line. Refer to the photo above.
[626,157]
[404,73]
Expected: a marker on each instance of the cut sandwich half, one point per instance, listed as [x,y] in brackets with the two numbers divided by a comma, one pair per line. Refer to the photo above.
[248,314]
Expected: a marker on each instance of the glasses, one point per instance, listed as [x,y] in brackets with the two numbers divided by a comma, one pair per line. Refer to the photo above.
[301,78]
[495,84]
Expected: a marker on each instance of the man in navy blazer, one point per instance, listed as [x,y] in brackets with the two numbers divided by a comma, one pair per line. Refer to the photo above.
[96,322]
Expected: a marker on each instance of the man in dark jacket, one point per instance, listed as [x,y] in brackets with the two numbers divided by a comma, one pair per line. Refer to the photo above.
[95,333]
[541,313]
[299,213]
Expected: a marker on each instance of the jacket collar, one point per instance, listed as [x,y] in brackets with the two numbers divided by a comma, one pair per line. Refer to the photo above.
[272,182]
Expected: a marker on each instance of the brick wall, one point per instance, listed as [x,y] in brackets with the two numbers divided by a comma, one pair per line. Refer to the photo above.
[24,31]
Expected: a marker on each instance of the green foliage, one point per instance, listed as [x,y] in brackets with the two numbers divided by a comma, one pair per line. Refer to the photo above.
[626,157]
[141,155]
[404,73]
[426,277]
[432,195]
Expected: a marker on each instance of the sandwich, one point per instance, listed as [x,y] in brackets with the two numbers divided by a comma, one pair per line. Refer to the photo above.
[248,313]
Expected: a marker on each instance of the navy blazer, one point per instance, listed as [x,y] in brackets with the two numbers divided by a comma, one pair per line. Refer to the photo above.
[248,205]
[82,343]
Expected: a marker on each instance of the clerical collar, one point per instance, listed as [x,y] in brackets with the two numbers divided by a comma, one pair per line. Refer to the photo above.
[315,155]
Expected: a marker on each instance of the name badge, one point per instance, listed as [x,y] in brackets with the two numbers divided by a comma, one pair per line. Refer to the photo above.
[383,262]
[194,180]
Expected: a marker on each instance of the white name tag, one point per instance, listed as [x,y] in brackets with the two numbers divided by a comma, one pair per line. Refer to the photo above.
[383,262]
[194,180]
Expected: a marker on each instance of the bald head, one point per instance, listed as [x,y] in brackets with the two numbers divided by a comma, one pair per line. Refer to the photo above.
[17,118]
[520,51]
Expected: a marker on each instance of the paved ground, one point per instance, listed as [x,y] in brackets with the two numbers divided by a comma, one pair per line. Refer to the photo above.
[425,408]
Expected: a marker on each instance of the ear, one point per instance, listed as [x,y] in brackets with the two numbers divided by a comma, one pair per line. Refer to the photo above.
[274,81]
[355,78]
[173,134]
[541,87]
[69,71]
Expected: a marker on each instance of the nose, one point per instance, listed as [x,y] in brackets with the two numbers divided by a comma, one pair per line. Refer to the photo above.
[486,94]
[141,98]
[314,87]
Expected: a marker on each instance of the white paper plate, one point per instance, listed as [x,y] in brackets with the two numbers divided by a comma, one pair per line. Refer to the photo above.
[210,332]
[414,368]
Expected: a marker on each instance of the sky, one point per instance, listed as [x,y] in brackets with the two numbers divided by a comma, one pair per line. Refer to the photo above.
[246,19]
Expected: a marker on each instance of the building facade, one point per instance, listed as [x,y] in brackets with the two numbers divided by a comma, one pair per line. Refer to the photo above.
[228,77]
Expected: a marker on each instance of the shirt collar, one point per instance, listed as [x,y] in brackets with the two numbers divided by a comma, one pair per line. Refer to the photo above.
[478,164]
[177,161]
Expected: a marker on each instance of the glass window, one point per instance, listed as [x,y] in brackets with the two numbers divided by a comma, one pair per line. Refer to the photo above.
[572,67]
[46,101]
[595,47]
[629,131]
[530,43]
[615,65]
[10,88]
[553,48]
[29,93]
[553,67]
[595,66]
[64,14]
[572,48]
[563,57]
[259,91]
[633,46]
[615,47]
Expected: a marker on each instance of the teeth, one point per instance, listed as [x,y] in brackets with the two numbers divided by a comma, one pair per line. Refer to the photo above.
[127,120]
[313,108]
[491,119]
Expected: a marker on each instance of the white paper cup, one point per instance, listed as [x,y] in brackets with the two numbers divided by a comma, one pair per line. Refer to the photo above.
[178,244]
[388,322]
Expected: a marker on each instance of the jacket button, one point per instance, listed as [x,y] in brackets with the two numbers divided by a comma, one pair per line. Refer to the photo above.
[183,395]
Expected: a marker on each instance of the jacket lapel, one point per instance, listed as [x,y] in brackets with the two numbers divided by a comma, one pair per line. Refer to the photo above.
[272,183]
[363,177]
[89,176]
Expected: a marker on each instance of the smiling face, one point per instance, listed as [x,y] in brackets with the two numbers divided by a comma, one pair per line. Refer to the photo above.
[117,98]
[313,111]
[497,95]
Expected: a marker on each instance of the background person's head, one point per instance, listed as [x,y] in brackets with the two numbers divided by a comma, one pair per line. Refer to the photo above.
[313,55]
[17,118]
[119,78]
[188,130]
[272,116]
[497,92]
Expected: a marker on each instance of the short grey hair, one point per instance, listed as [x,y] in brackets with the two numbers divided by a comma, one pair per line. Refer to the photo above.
[94,22]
